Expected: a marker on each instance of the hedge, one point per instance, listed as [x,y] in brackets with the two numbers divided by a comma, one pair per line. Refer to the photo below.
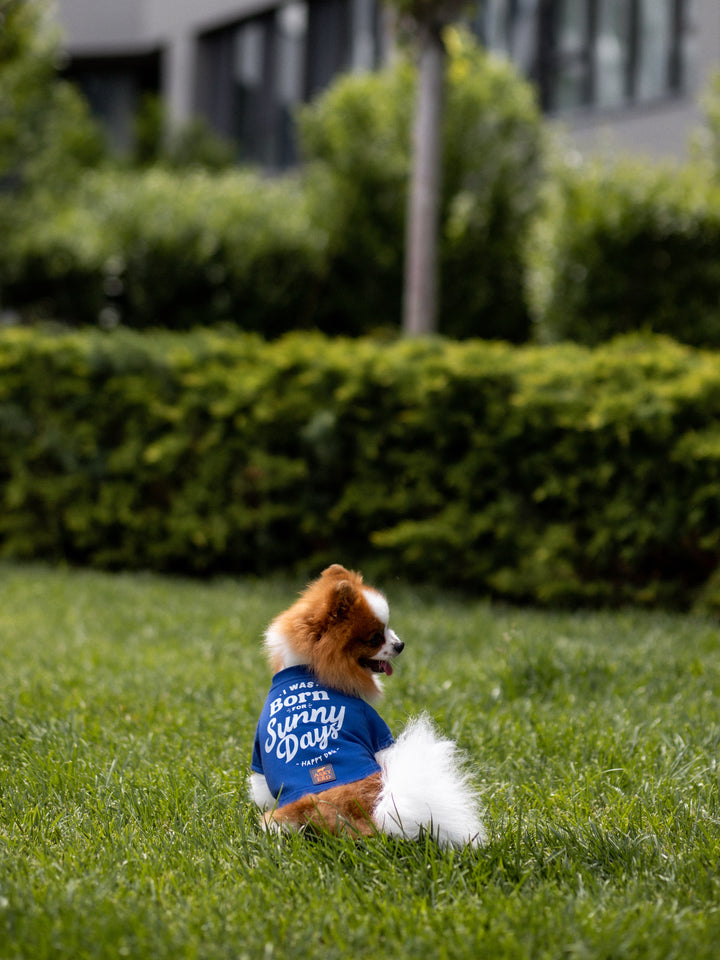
[624,247]
[551,474]
[168,249]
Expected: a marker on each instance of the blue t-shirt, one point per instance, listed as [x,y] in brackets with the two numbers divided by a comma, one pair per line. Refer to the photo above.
[311,737]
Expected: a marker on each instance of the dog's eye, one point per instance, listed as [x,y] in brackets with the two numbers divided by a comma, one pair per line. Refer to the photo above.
[371,641]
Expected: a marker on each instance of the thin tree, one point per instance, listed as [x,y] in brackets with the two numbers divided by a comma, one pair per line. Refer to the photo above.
[420,290]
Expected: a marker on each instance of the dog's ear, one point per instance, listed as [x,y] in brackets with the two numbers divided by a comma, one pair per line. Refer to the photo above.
[335,570]
[341,599]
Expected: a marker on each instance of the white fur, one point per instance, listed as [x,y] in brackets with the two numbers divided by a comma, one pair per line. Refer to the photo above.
[277,645]
[425,787]
[260,792]
[378,604]
[389,650]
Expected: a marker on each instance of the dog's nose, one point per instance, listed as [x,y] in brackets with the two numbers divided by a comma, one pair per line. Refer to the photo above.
[398,647]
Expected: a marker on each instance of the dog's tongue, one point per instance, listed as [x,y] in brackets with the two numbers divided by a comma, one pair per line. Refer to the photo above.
[387,669]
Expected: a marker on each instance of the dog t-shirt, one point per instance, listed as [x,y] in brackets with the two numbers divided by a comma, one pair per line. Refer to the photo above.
[311,737]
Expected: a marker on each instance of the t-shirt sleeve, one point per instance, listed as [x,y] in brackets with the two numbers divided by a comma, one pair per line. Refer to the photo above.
[256,762]
[379,731]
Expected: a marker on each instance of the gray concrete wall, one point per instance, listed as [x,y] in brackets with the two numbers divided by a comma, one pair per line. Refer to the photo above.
[661,129]
[117,27]
[103,26]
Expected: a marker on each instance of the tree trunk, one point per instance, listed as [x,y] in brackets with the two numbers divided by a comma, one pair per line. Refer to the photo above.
[420,293]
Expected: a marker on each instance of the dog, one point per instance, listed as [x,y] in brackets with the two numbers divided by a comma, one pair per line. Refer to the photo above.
[322,756]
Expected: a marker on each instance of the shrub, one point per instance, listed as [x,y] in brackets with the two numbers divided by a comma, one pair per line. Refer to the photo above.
[356,141]
[156,248]
[52,261]
[626,247]
[157,141]
[46,134]
[233,247]
[552,474]
[321,249]
[705,143]
[47,140]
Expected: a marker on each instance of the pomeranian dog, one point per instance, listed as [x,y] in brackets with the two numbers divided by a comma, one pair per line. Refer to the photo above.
[323,756]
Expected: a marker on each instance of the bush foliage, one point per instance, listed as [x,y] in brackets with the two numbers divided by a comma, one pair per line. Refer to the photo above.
[627,247]
[356,143]
[47,137]
[618,247]
[706,142]
[157,248]
[323,248]
[555,474]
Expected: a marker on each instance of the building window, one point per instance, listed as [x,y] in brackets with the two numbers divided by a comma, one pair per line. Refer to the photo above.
[114,88]
[509,27]
[594,53]
[253,74]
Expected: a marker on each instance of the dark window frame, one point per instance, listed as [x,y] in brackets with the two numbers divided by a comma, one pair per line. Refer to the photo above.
[97,76]
[550,61]
[269,137]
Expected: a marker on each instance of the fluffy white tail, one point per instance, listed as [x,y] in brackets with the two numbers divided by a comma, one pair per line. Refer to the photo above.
[426,788]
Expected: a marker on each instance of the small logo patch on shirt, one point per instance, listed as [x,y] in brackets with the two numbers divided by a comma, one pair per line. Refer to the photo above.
[324,774]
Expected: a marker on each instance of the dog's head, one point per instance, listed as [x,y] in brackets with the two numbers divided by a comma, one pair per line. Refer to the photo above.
[338,628]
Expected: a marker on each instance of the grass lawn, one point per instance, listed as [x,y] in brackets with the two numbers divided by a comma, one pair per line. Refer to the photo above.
[127,710]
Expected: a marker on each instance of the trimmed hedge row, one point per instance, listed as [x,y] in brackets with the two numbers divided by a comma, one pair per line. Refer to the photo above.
[160,248]
[626,247]
[554,474]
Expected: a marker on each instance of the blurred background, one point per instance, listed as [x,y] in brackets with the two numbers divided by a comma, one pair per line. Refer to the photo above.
[620,73]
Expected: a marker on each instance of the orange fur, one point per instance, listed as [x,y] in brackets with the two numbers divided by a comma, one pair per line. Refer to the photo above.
[338,630]
[332,628]
[343,809]
[322,627]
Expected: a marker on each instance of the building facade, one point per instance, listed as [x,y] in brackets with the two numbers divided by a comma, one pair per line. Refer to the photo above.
[619,73]
[241,64]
